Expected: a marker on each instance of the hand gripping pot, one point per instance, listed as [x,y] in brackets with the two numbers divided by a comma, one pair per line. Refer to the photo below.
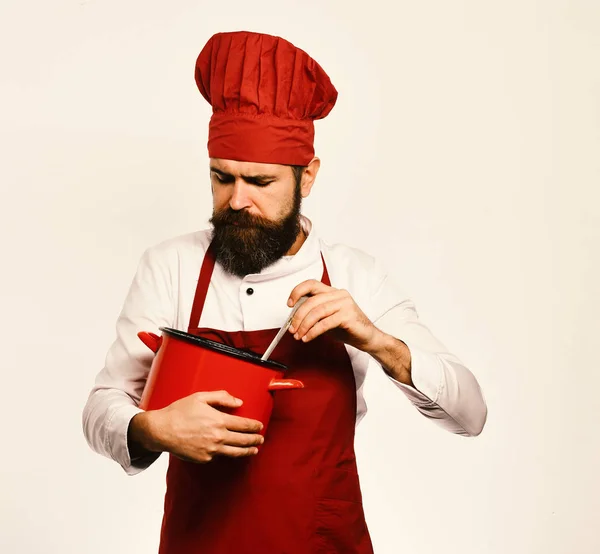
[185,364]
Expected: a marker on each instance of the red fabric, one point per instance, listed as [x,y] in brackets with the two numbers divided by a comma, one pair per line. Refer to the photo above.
[301,493]
[203,282]
[265,94]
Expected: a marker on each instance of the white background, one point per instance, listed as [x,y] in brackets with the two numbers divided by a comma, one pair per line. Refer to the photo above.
[464,151]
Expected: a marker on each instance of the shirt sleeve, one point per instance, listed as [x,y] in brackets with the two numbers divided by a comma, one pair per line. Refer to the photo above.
[445,390]
[115,397]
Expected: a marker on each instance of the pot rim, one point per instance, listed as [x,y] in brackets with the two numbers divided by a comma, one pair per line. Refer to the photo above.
[244,355]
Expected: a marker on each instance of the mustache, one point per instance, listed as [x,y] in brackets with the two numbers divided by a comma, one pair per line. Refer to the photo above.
[240,218]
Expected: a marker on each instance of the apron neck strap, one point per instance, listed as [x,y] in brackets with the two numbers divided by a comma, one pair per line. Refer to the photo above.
[325,277]
[208,265]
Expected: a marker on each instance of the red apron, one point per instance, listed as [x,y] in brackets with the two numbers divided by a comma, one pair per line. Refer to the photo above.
[300,494]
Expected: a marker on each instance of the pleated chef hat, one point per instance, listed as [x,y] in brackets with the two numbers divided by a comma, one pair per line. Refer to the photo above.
[265,94]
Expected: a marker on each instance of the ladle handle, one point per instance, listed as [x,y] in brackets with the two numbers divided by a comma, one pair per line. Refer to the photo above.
[283,330]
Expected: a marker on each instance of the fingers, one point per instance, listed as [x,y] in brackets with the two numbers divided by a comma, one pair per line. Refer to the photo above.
[309,305]
[231,422]
[307,288]
[219,398]
[242,440]
[235,452]
[242,424]
[313,310]
[200,430]
[332,322]
[225,450]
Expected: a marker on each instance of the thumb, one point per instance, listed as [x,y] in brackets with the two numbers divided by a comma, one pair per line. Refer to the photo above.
[221,398]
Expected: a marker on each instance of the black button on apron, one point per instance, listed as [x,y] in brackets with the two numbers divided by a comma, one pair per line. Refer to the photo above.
[249,291]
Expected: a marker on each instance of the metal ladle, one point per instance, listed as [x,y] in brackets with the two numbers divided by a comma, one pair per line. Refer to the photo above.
[283,329]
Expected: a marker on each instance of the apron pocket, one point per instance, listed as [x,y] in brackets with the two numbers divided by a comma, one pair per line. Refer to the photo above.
[340,525]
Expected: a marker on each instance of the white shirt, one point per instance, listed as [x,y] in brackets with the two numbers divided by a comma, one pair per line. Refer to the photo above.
[162,294]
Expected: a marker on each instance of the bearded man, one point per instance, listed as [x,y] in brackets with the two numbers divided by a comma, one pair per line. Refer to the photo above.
[299,493]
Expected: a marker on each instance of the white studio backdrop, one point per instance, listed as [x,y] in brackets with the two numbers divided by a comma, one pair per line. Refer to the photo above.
[463,151]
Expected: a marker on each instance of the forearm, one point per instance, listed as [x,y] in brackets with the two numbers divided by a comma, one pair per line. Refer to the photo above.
[393,355]
[137,433]
[445,391]
[441,387]
[106,426]
[142,435]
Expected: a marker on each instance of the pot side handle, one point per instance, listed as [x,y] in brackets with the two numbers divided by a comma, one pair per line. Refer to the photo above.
[282,384]
[151,340]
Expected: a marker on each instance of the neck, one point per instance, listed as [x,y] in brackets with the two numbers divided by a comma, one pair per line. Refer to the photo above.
[297,243]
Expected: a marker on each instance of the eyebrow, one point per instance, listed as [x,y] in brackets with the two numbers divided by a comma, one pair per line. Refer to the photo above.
[258,177]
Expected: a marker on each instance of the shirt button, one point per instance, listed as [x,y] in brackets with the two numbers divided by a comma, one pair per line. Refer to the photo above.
[249,291]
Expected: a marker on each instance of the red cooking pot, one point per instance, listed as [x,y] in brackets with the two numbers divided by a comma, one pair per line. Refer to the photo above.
[185,364]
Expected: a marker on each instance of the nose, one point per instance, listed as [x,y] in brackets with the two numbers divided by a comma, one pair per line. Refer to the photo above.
[240,197]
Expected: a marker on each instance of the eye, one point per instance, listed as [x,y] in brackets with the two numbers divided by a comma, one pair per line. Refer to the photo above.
[220,178]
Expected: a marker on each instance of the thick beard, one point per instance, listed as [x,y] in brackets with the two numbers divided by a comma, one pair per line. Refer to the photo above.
[253,242]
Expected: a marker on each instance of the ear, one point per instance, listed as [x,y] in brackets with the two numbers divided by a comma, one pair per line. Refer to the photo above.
[309,175]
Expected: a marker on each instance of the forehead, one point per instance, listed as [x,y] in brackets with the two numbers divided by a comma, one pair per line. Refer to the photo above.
[236,168]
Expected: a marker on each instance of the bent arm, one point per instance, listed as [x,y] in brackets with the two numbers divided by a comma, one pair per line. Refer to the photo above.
[115,396]
[437,383]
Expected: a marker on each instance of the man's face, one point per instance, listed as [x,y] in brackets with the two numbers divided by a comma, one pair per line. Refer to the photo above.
[256,213]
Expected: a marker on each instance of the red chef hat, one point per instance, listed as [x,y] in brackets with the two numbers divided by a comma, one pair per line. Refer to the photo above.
[265,94]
